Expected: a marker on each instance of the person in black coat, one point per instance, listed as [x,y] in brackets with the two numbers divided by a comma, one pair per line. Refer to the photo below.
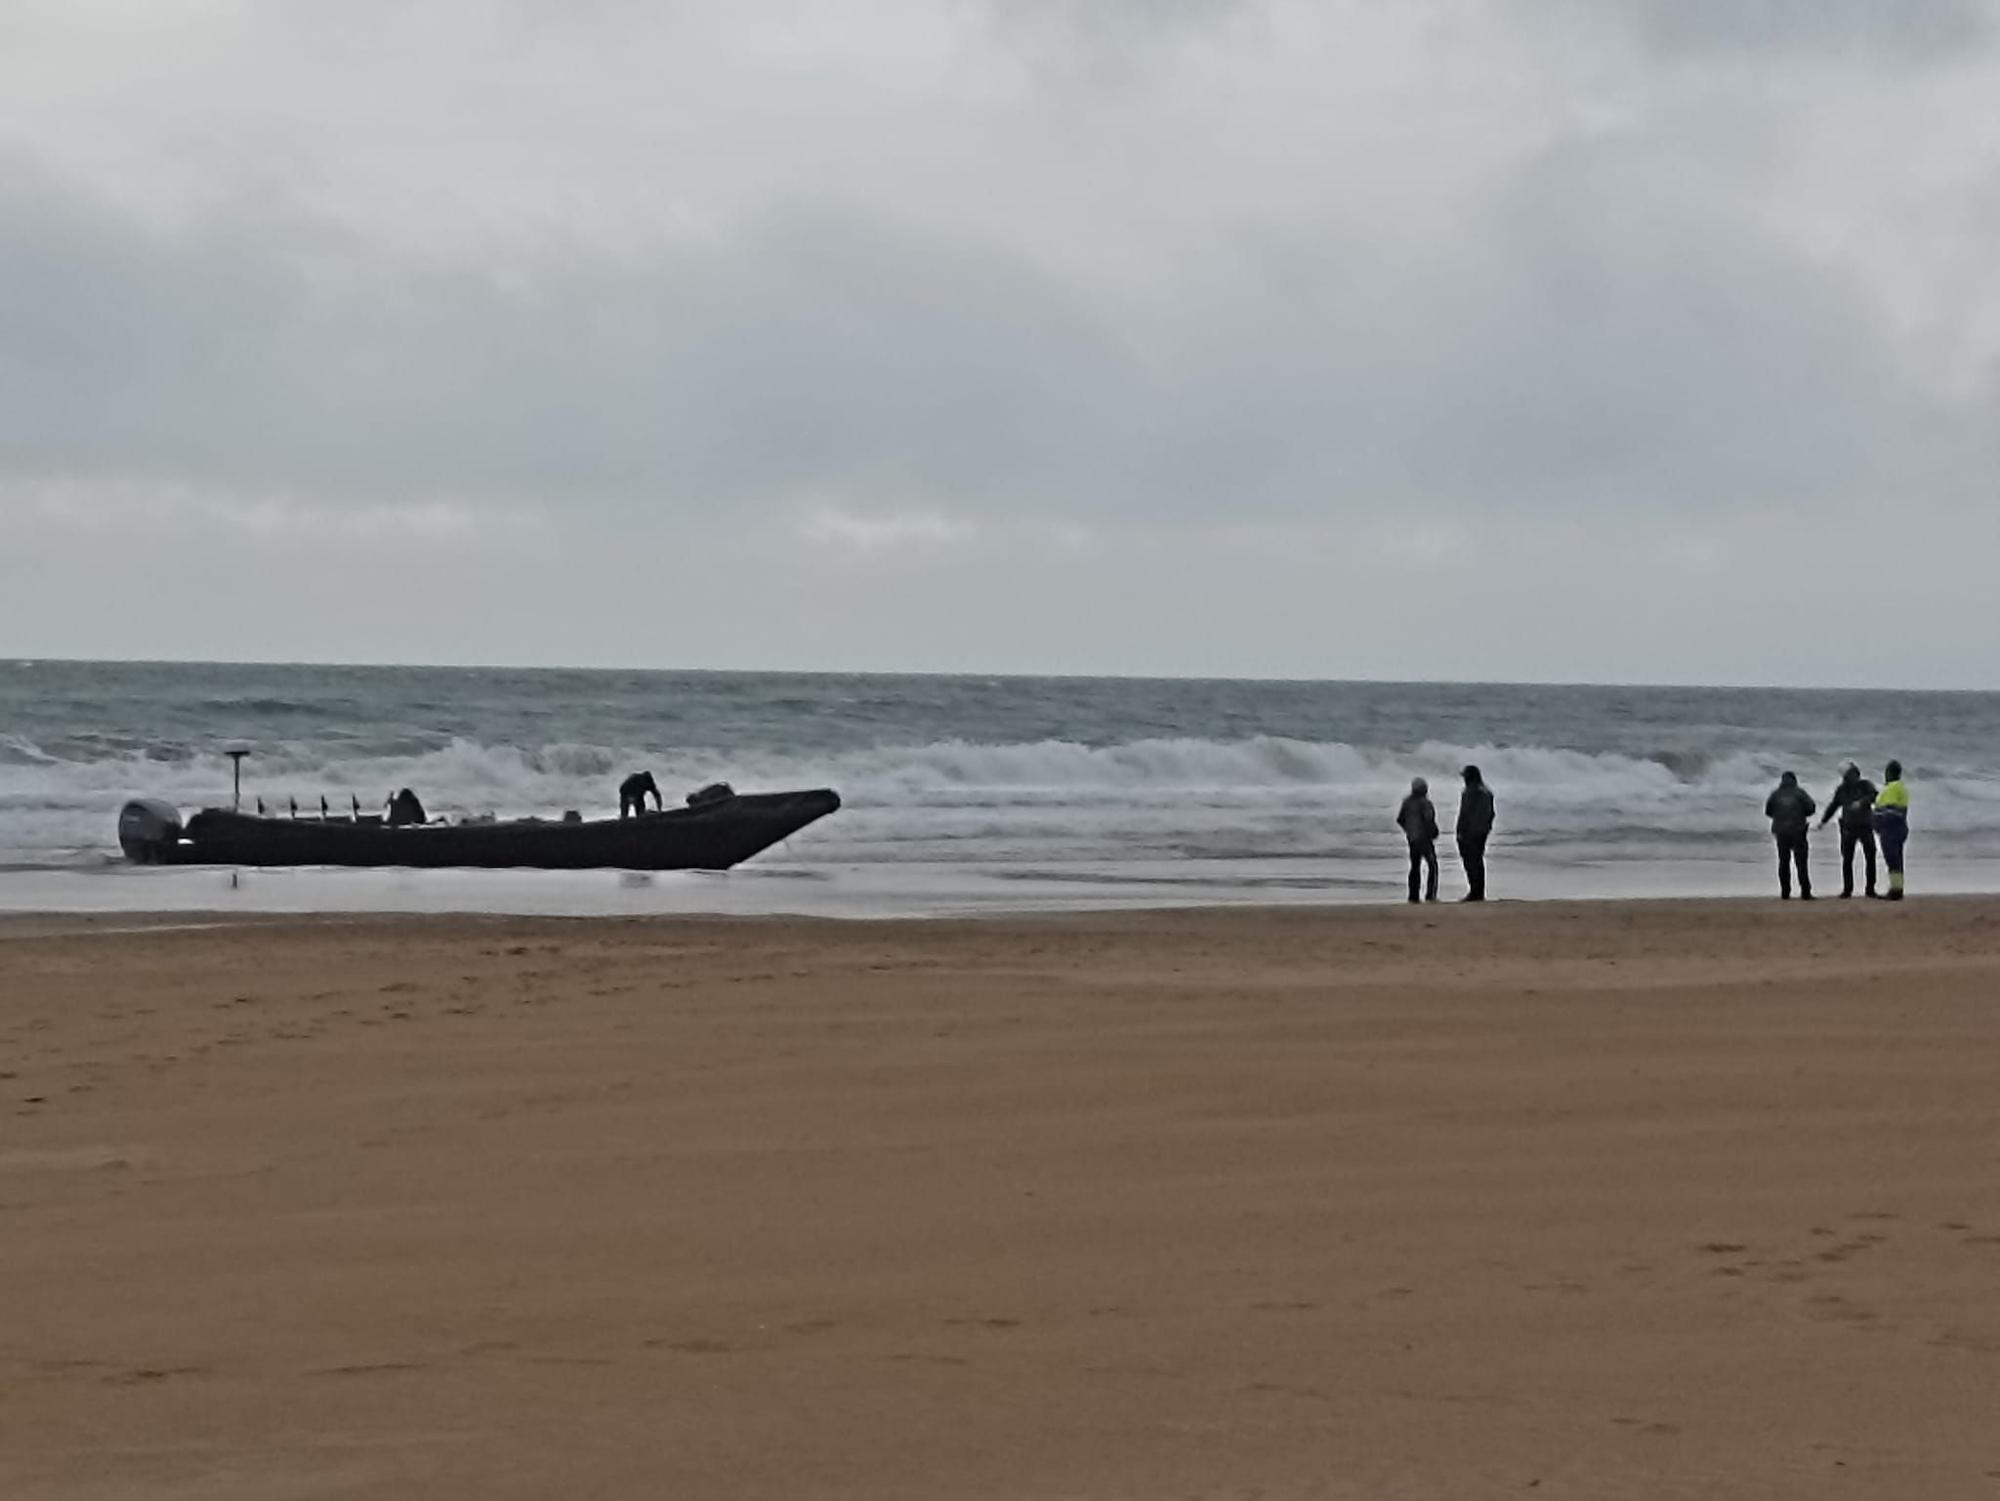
[1475,822]
[1854,801]
[1790,809]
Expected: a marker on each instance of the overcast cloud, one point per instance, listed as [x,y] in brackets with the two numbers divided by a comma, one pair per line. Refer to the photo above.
[1552,339]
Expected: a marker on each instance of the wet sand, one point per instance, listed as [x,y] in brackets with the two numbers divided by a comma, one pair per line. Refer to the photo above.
[1647,1200]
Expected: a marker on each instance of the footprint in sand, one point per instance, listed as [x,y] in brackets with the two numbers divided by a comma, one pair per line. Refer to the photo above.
[1647,1425]
[1967,1339]
[146,1375]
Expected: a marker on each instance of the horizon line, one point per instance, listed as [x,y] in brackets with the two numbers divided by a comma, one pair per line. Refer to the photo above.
[1012,674]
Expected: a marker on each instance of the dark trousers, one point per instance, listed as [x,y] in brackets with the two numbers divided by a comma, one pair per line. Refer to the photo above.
[1792,852]
[1893,832]
[1849,840]
[1472,855]
[1423,858]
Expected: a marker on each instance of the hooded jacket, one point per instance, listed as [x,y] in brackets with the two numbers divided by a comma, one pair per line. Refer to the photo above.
[1790,810]
[1854,801]
[1475,811]
[1418,820]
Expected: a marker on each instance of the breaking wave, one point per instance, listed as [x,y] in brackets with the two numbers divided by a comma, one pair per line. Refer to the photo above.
[473,768]
[1165,797]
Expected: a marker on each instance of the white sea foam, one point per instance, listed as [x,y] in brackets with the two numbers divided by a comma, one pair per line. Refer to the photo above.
[962,800]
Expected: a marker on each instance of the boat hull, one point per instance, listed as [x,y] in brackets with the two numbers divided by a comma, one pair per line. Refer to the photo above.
[714,836]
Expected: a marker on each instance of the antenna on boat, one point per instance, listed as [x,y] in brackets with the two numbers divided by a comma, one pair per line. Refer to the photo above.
[236,794]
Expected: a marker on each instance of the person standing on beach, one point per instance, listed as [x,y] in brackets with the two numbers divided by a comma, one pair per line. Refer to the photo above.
[1475,822]
[1790,809]
[1892,824]
[1418,821]
[1854,801]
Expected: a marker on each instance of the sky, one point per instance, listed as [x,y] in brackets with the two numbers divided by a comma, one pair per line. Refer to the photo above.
[1550,340]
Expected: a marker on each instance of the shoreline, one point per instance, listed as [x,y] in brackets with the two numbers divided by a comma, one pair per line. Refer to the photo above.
[58,922]
[889,891]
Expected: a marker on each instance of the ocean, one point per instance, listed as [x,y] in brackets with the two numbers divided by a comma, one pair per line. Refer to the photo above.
[970,793]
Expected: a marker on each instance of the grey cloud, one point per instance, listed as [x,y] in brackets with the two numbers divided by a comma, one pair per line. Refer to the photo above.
[1107,21]
[816,350]
[1200,314]
[1643,348]
[1906,30]
[1599,338]
[1081,46]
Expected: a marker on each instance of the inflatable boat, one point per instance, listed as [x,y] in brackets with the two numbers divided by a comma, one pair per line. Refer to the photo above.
[714,833]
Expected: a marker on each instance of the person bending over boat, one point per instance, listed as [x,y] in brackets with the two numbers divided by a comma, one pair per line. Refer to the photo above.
[1418,820]
[1892,824]
[632,794]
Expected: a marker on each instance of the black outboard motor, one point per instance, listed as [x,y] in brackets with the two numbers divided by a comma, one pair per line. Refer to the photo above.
[147,829]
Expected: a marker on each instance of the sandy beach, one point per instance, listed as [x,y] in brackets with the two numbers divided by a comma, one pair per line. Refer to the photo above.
[1572,1200]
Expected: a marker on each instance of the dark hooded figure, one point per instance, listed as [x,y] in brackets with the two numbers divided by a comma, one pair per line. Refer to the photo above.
[1854,801]
[1790,809]
[1417,818]
[633,792]
[405,808]
[1475,822]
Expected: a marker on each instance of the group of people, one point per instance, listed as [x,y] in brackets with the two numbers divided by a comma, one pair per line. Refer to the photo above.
[1417,818]
[1869,815]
